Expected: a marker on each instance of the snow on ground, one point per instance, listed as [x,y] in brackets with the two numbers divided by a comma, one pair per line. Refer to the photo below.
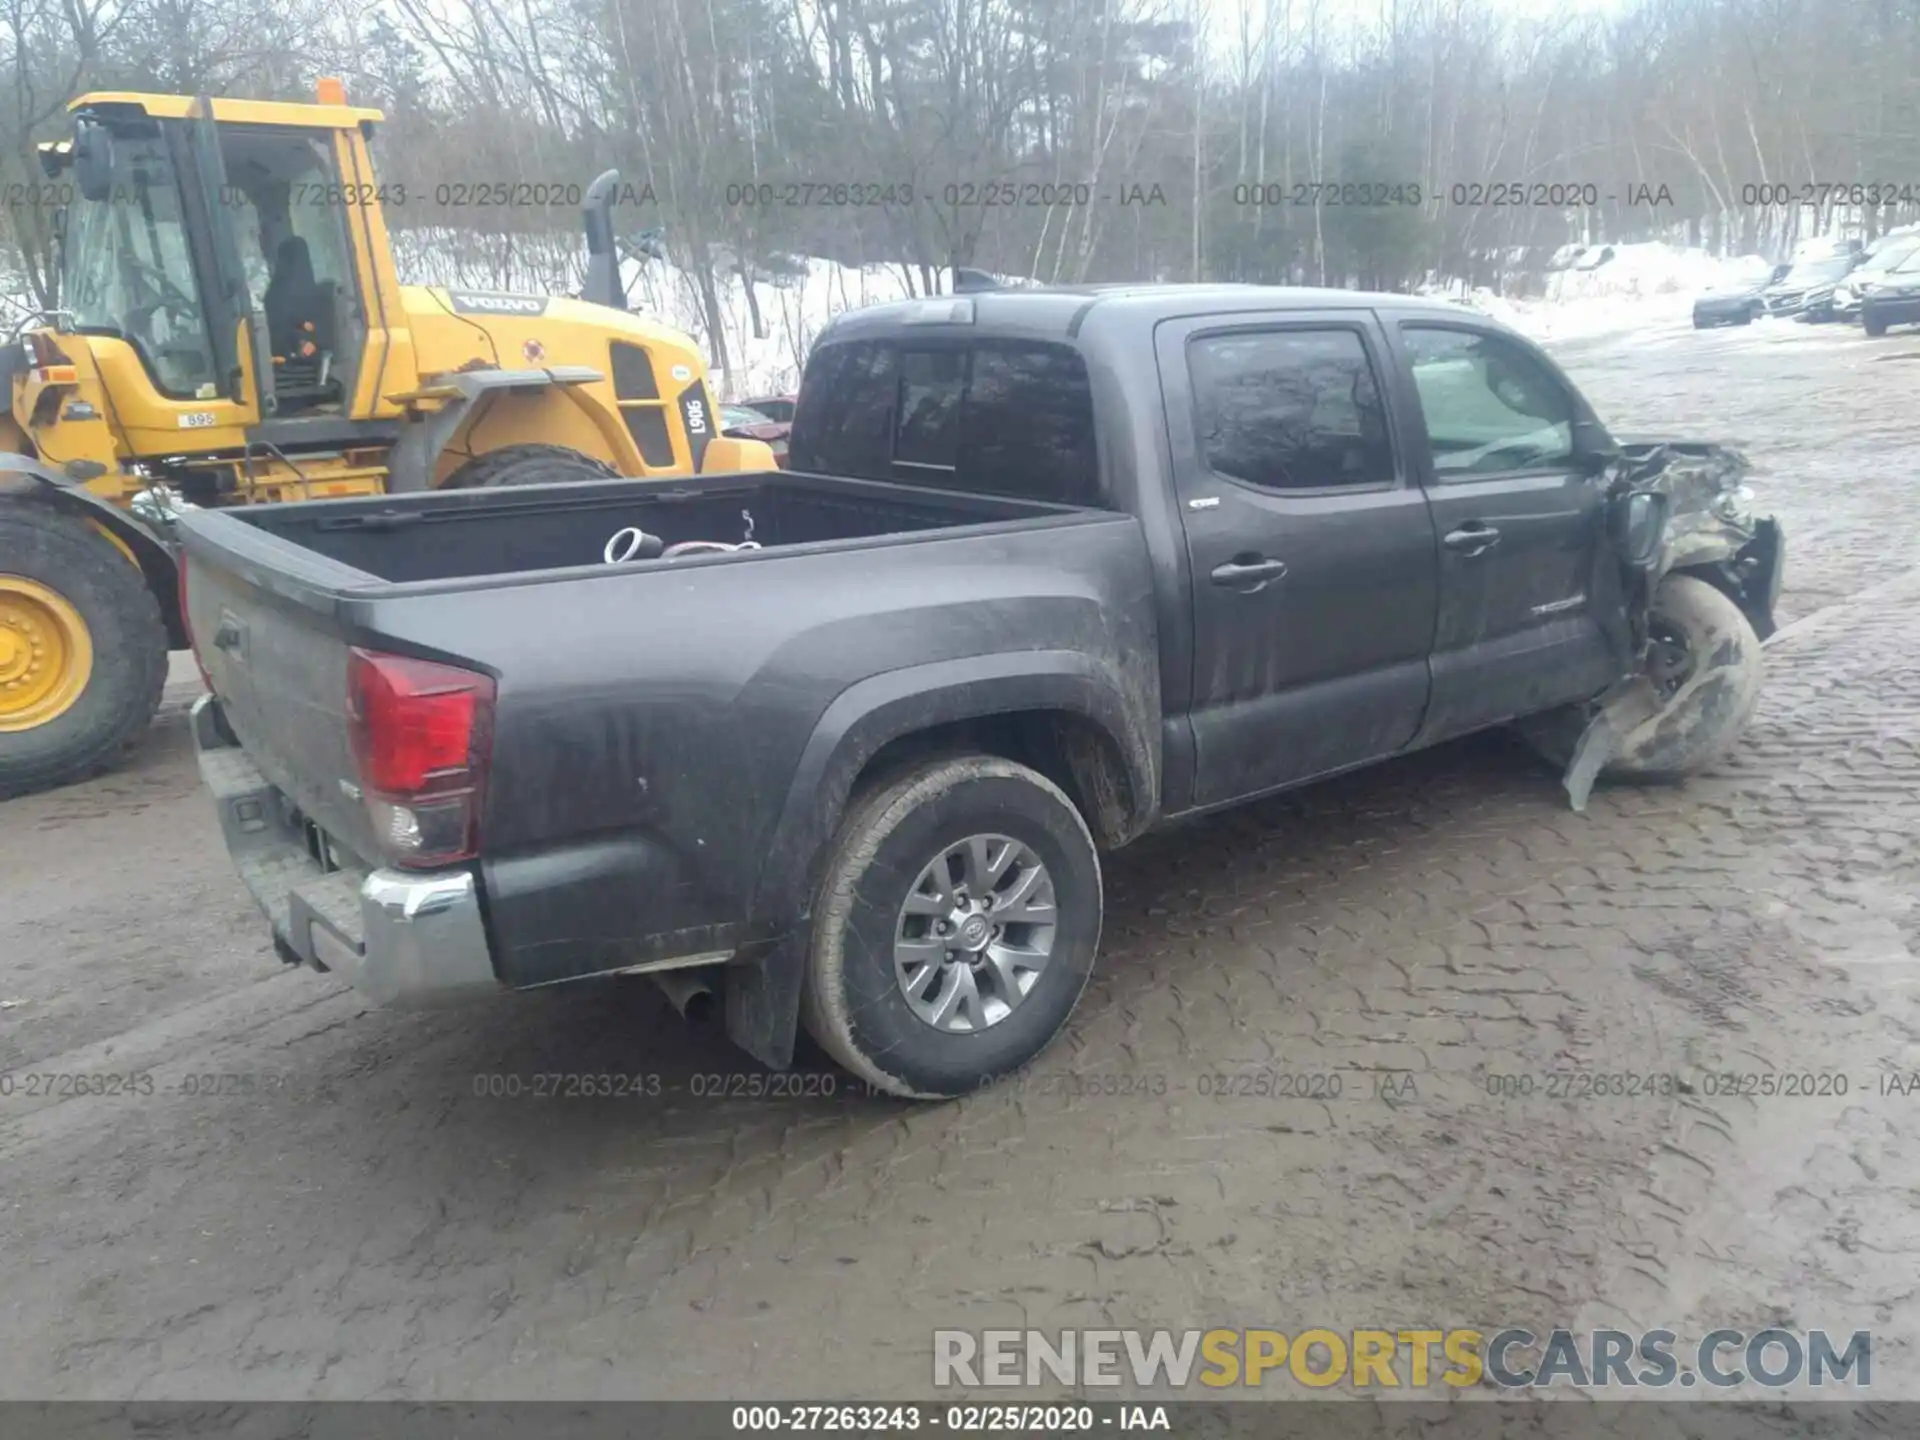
[794,307]
[793,311]
[1640,286]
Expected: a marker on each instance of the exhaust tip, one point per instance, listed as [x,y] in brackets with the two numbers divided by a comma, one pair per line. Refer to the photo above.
[689,992]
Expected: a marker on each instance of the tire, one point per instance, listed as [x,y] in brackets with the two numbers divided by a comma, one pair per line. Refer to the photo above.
[891,840]
[44,552]
[1698,323]
[1706,713]
[1872,326]
[528,465]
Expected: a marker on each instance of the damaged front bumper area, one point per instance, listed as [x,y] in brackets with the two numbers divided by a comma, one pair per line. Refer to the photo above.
[1711,527]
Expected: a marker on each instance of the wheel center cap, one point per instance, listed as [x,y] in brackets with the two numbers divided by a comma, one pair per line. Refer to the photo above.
[973,932]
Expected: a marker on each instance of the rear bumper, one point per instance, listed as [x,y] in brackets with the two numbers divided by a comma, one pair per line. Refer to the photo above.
[399,938]
[1904,310]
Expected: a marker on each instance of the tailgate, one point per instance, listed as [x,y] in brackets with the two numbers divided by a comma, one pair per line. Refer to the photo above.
[279,668]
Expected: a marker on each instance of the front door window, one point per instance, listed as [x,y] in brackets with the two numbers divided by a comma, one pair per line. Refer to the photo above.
[1489,408]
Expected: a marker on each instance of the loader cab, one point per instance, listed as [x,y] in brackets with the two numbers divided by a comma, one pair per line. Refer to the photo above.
[282,198]
[225,247]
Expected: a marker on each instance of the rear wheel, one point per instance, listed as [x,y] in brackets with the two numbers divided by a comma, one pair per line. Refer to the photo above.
[955,927]
[83,650]
[529,465]
[1873,324]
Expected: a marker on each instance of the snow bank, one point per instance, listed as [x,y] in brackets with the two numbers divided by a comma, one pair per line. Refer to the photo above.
[1635,287]
[1595,293]
[793,310]
[794,305]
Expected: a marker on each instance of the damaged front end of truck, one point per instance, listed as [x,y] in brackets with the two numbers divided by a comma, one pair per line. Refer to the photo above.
[1676,508]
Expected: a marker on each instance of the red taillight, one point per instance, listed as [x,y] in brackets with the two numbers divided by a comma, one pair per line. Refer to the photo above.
[421,733]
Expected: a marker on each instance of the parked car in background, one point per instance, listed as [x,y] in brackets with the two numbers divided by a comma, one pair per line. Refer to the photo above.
[1891,252]
[1735,304]
[1806,290]
[1893,297]
[775,407]
[745,422]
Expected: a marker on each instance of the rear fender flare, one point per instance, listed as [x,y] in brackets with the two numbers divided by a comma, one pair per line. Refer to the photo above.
[23,478]
[896,705]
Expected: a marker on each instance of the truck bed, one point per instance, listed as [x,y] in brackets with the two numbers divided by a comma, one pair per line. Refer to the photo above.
[654,719]
[470,534]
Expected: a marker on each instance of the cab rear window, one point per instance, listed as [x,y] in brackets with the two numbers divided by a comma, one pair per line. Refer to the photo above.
[989,417]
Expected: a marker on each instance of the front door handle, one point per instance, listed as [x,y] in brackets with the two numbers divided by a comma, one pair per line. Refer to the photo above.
[1248,571]
[1476,537]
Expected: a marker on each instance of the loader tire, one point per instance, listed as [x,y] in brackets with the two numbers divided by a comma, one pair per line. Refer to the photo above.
[83,650]
[529,465]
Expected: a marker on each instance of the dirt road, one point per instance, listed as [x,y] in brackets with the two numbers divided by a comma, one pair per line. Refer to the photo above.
[320,1200]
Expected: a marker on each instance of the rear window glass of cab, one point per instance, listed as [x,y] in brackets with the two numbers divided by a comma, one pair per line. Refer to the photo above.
[993,417]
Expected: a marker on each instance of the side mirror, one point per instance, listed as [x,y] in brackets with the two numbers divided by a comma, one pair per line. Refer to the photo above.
[1640,526]
[1593,449]
[93,160]
[1594,462]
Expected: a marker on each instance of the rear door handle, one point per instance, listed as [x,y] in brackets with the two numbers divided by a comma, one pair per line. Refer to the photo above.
[1476,537]
[1248,571]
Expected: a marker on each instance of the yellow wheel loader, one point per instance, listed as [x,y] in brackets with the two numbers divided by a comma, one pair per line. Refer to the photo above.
[231,331]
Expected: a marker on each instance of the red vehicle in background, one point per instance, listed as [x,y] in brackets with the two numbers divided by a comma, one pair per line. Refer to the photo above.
[748,422]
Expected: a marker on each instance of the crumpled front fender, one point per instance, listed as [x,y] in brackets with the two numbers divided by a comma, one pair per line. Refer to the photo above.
[1711,529]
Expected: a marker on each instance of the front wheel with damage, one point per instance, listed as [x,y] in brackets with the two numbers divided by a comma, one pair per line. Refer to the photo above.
[1704,668]
[955,927]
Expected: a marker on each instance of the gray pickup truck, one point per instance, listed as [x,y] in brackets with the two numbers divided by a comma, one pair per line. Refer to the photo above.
[842,745]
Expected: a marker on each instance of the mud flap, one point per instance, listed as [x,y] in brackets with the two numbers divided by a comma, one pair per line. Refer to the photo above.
[762,1002]
[1620,712]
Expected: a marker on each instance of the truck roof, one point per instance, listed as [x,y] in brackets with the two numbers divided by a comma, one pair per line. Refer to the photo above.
[1059,311]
